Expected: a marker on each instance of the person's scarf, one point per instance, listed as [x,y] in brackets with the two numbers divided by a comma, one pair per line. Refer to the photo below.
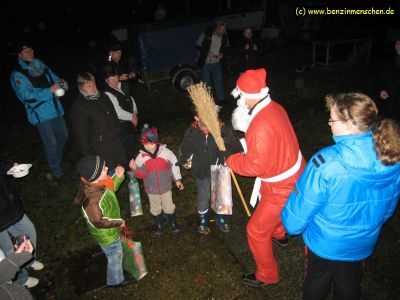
[154,154]
[88,96]
[35,68]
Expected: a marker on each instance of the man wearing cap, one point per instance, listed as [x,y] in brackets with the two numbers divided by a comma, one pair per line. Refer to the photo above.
[39,90]
[272,154]
[211,45]
[102,214]
[114,60]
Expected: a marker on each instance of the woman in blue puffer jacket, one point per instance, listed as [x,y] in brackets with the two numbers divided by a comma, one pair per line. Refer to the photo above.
[345,195]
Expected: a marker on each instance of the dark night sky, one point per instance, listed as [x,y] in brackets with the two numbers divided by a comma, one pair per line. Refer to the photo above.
[24,19]
[68,20]
[74,24]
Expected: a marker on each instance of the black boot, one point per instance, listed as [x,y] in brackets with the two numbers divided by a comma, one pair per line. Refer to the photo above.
[159,224]
[171,219]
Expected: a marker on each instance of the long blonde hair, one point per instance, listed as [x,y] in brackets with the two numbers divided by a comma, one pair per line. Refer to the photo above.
[362,111]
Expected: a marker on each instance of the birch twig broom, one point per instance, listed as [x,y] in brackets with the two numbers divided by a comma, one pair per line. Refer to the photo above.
[205,108]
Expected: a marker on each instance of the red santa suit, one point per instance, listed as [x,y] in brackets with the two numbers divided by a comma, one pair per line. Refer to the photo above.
[274,157]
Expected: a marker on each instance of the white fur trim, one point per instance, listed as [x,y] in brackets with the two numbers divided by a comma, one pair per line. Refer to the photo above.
[235,93]
[244,145]
[263,93]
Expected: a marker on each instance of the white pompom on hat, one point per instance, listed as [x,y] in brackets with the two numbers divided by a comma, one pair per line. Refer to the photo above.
[251,85]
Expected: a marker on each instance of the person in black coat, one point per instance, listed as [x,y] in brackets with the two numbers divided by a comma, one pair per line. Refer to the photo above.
[389,95]
[198,151]
[115,61]
[247,50]
[9,266]
[14,221]
[120,95]
[95,124]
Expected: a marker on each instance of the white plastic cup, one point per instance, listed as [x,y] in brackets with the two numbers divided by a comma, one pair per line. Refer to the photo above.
[59,92]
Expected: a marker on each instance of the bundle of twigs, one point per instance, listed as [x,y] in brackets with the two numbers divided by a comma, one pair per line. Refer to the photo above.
[205,108]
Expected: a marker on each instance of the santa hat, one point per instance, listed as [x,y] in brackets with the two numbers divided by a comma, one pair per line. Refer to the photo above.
[252,85]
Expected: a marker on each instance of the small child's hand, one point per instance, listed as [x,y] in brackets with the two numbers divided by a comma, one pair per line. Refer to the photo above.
[25,246]
[122,225]
[179,185]
[119,171]
[132,165]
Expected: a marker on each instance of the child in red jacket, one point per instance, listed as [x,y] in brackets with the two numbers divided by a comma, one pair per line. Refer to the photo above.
[155,164]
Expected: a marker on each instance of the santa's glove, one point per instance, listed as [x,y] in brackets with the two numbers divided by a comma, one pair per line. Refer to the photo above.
[223,155]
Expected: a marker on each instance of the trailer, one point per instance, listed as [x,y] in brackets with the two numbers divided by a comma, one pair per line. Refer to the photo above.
[166,50]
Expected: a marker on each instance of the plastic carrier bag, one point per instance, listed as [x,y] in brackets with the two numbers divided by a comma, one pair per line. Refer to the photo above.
[133,260]
[221,190]
[135,203]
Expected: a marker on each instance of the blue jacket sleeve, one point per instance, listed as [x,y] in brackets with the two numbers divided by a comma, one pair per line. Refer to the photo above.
[391,208]
[57,79]
[306,199]
[25,90]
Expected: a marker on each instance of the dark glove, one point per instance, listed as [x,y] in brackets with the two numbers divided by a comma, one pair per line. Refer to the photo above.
[222,157]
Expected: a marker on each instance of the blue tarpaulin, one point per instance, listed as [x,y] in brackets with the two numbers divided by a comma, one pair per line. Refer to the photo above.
[167,47]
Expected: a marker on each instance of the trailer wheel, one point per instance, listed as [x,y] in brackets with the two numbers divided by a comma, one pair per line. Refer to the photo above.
[184,79]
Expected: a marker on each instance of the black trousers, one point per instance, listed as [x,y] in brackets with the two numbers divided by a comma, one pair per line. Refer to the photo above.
[322,273]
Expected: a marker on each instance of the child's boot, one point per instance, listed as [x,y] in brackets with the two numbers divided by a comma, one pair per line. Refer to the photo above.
[159,224]
[203,227]
[171,219]
[222,224]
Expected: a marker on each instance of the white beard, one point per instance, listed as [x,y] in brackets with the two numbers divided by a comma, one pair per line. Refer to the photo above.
[241,119]
[241,102]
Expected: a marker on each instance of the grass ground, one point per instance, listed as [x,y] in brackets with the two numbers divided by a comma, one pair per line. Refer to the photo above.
[189,266]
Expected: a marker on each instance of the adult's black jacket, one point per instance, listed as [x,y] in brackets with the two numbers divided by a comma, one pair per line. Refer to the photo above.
[205,151]
[390,82]
[125,102]
[11,209]
[95,129]
[206,45]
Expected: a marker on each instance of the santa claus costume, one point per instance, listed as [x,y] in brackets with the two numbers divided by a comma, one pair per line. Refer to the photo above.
[273,156]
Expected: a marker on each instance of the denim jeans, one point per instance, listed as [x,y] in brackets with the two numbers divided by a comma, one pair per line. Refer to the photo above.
[23,226]
[113,252]
[54,134]
[212,76]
